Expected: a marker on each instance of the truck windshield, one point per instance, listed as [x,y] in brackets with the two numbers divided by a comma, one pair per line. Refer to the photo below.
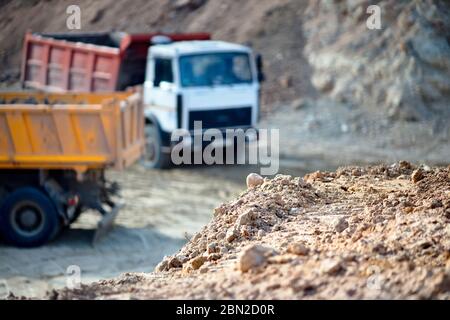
[215,69]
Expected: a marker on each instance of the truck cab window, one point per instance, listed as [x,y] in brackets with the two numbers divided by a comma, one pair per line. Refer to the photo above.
[163,71]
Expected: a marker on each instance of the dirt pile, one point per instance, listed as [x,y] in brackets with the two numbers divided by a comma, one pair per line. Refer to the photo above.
[403,69]
[374,232]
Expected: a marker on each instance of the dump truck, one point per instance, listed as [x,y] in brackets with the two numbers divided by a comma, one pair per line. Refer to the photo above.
[54,150]
[89,62]
[186,78]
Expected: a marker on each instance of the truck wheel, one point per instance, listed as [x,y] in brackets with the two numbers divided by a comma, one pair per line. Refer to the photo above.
[28,218]
[154,157]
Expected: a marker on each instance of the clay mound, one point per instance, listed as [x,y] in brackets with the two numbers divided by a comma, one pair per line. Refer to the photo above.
[375,232]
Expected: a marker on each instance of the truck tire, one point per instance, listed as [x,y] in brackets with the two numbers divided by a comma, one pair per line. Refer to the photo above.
[28,218]
[154,157]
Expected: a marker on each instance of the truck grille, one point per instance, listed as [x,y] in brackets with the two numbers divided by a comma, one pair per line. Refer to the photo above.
[222,118]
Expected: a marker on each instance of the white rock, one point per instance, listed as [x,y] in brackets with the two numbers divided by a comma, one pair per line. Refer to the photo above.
[253,256]
[254,180]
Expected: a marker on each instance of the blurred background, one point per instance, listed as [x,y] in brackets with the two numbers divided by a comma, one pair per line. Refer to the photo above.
[340,93]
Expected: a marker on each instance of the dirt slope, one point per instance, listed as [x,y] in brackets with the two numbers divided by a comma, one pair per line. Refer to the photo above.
[374,232]
[401,70]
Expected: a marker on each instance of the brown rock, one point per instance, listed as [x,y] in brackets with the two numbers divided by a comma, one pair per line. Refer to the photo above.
[417,175]
[231,235]
[197,262]
[298,248]
[174,262]
[408,209]
[214,256]
[315,176]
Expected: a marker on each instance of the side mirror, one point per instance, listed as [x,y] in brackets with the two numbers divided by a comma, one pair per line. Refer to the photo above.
[259,68]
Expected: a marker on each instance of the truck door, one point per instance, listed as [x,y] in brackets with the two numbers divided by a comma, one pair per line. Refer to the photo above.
[159,91]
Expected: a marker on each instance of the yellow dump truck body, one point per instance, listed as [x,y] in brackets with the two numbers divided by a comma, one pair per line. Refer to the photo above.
[78,131]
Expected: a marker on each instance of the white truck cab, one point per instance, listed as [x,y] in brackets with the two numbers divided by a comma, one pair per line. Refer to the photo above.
[214,82]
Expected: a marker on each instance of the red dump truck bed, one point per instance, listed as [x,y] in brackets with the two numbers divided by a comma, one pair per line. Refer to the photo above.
[89,62]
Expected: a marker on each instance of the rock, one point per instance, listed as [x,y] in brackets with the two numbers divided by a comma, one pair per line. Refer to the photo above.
[246,218]
[298,248]
[197,262]
[194,253]
[380,249]
[341,225]
[405,165]
[163,265]
[212,247]
[254,180]
[219,211]
[331,267]
[223,250]
[196,237]
[417,175]
[231,235]
[315,176]
[253,256]
[174,262]
[214,256]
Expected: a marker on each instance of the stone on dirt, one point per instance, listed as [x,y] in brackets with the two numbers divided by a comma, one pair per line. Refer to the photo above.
[298,248]
[341,225]
[197,262]
[246,218]
[253,256]
[254,180]
[417,175]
